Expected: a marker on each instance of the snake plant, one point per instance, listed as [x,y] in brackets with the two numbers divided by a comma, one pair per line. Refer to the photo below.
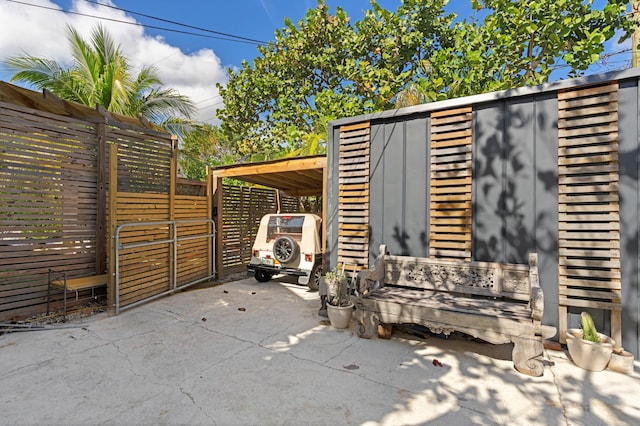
[589,331]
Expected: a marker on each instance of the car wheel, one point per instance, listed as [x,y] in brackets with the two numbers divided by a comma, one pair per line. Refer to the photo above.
[285,249]
[314,278]
[262,276]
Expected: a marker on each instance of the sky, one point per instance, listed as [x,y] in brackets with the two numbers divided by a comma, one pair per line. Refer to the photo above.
[187,63]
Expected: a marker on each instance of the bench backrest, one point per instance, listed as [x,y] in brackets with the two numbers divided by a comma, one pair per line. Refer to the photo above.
[490,279]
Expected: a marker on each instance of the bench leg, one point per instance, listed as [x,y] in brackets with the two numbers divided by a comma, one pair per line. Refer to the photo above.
[527,354]
[64,300]
[48,291]
[385,331]
[366,324]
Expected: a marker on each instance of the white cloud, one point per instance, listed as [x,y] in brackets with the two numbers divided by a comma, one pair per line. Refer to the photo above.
[40,32]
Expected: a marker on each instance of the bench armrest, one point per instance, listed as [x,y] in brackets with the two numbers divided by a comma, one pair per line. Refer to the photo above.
[371,279]
[536,301]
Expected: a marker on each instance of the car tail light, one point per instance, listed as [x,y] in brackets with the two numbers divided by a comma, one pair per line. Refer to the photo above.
[256,253]
[308,257]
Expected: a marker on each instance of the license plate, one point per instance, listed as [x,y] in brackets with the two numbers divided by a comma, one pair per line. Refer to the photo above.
[266,261]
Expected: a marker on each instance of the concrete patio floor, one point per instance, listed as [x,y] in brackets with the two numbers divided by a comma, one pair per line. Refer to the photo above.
[244,353]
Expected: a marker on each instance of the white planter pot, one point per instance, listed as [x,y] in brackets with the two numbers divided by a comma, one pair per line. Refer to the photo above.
[621,362]
[340,316]
[589,355]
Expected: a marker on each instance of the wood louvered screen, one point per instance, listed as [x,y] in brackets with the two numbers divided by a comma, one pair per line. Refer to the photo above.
[48,204]
[589,228]
[450,208]
[353,213]
[243,208]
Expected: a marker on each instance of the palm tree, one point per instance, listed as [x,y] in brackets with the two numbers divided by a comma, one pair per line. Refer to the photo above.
[100,74]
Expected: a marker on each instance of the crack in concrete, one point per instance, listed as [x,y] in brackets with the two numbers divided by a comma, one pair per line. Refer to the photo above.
[28,366]
[195,404]
[113,420]
[558,389]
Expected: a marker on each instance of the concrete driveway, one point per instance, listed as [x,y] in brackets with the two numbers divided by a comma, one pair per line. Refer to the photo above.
[243,353]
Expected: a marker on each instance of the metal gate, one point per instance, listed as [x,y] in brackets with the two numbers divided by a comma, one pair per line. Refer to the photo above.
[155,259]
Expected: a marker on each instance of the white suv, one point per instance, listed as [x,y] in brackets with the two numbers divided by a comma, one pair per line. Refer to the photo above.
[288,244]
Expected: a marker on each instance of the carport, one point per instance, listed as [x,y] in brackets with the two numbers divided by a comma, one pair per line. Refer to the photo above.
[306,176]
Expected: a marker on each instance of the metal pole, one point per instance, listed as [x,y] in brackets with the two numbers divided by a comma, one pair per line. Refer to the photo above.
[116,245]
[175,254]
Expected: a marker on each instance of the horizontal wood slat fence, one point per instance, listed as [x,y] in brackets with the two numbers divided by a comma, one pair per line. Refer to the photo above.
[450,184]
[147,271]
[353,195]
[54,183]
[243,208]
[589,210]
[48,204]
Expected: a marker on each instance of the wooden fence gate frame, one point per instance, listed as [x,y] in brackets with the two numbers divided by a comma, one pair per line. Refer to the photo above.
[172,266]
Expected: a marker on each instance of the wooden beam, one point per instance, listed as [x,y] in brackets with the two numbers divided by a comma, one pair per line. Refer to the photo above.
[210,243]
[217,194]
[324,217]
[173,175]
[101,202]
[302,192]
[276,167]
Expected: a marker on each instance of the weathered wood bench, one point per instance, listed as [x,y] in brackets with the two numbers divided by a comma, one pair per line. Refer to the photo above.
[67,284]
[496,302]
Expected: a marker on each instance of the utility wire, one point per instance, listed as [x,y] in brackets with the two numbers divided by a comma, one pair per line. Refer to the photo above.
[208,99]
[236,40]
[603,57]
[178,23]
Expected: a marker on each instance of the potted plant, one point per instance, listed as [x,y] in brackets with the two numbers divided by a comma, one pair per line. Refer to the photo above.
[339,307]
[588,348]
[621,361]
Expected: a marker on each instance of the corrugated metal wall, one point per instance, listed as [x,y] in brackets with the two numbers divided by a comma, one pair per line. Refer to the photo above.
[515,195]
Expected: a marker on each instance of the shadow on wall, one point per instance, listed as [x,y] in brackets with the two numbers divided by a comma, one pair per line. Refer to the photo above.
[506,217]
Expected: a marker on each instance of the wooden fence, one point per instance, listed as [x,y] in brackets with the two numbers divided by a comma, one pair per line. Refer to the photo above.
[450,189]
[589,205]
[56,203]
[243,208]
[353,215]
[48,202]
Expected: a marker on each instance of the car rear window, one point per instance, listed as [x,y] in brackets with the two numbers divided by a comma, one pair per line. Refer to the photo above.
[279,225]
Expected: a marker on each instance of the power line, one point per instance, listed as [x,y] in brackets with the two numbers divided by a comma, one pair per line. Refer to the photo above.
[603,57]
[208,99]
[215,104]
[236,40]
[178,23]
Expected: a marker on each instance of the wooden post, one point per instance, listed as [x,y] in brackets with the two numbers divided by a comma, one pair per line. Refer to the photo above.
[324,217]
[101,200]
[250,226]
[210,265]
[616,328]
[562,323]
[174,172]
[217,194]
[112,196]
[173,268]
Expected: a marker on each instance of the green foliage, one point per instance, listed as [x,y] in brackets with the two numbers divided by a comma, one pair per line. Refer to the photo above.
[531,36]
[327,67]
[204,146]
[100,74]
[589,331]
[337,280]
[265,100]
